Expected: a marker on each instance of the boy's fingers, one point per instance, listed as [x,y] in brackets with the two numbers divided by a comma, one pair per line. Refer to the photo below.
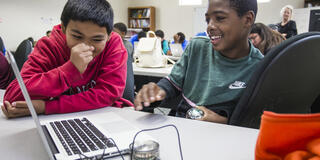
[161,95]
[4,110]
[137,101]
[18,112]
[19,104]
[145,95]
[152,90]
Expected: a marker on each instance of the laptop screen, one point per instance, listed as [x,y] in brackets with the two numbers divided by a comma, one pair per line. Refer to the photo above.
[29,103]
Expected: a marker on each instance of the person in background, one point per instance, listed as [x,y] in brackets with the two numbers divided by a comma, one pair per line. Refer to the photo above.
[48,33]
[213,71]
[180,38]
[287,27]
[164,43]
[121,29]
[2,48]
[82,66]
[264,38]
[31,40]
[6,73]
[135,38]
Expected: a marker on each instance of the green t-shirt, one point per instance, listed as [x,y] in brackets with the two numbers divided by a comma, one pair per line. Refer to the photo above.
[206,77]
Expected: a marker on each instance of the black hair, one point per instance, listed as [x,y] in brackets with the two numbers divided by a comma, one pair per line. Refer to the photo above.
[30,39]
[121,27]
[243,6]
[97,11]
[142,34]
[182,37]
[48,32]
[159,33]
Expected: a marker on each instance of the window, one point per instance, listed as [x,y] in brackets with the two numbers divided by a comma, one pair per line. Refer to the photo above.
[189,2]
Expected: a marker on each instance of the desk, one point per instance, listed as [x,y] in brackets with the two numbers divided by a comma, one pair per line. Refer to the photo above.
[200,140]
[174,58]
[154,72]
[1,95]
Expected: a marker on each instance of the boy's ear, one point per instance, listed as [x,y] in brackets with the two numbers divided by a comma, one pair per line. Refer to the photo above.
[63,28]
[249,18]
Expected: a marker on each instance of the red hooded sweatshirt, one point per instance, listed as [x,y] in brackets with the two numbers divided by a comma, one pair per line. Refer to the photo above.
[49,75]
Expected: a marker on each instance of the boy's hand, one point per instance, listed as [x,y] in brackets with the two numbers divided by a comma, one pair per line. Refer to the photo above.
[149,93]
[20,108]
[81,56]
[211,116]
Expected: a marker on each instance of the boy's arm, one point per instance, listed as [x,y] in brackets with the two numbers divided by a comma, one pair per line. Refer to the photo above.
[43,74]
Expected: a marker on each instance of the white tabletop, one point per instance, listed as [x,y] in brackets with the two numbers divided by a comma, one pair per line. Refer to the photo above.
[200,140]
[155,72]
[174,58]
[1,95]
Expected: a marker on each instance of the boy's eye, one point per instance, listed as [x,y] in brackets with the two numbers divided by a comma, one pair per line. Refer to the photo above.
[97,40]
[76,37]
[220,18]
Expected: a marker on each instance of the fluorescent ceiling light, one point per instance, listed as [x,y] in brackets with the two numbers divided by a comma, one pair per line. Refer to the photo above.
[263,1]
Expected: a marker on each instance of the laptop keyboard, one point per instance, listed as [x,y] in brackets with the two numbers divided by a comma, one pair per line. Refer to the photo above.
[80,136]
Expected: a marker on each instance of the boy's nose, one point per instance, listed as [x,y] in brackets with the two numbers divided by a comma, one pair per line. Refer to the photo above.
[211,25]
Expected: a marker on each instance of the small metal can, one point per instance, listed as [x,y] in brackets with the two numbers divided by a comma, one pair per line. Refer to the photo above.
[147,150]
[194,113]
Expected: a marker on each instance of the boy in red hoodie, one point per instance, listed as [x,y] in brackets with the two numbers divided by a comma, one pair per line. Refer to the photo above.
[81,66]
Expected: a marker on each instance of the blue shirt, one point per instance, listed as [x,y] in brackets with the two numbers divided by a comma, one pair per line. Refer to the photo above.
[165,46]
[201,34]
[133,39]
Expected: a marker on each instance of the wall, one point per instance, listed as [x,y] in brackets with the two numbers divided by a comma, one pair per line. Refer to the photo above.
[21,19]
[269,13]
[171,18]
[32,18]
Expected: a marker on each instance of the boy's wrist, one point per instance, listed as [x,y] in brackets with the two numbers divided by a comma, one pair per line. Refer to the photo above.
[70,72]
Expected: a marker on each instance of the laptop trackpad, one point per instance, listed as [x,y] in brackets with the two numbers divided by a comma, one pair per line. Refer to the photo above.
[117,127]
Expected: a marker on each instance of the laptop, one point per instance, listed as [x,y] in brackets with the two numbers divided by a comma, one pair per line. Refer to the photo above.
[81,137]
[176,50]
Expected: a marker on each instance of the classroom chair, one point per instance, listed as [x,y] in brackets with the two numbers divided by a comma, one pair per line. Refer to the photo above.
[286,81]
[22,53]
[129,89]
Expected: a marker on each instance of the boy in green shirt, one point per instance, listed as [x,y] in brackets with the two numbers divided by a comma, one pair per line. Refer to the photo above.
[213,71]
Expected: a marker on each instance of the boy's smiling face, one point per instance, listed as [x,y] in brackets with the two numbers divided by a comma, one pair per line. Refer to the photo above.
[88,33]
[226,29]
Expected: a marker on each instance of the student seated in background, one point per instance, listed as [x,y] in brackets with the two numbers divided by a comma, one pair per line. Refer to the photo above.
[180,38]
[6,74]
[214,70]
[2,48]
[135,38]
[48,33]
[164,43]
[121,29]
[82,66]
[264,38]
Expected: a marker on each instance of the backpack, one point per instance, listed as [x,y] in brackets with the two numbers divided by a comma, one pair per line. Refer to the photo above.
[149,52]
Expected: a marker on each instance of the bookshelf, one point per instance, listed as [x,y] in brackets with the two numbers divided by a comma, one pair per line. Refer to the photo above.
[141,18]
[311,3]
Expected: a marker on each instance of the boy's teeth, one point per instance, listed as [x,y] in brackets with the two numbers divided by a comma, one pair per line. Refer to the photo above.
[215,37]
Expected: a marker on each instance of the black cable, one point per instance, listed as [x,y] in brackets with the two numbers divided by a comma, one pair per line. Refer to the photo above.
[160,110]
[117,148]
[152,129]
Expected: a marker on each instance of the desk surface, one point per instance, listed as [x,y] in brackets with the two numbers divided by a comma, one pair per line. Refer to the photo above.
[155,72]
[200,140]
